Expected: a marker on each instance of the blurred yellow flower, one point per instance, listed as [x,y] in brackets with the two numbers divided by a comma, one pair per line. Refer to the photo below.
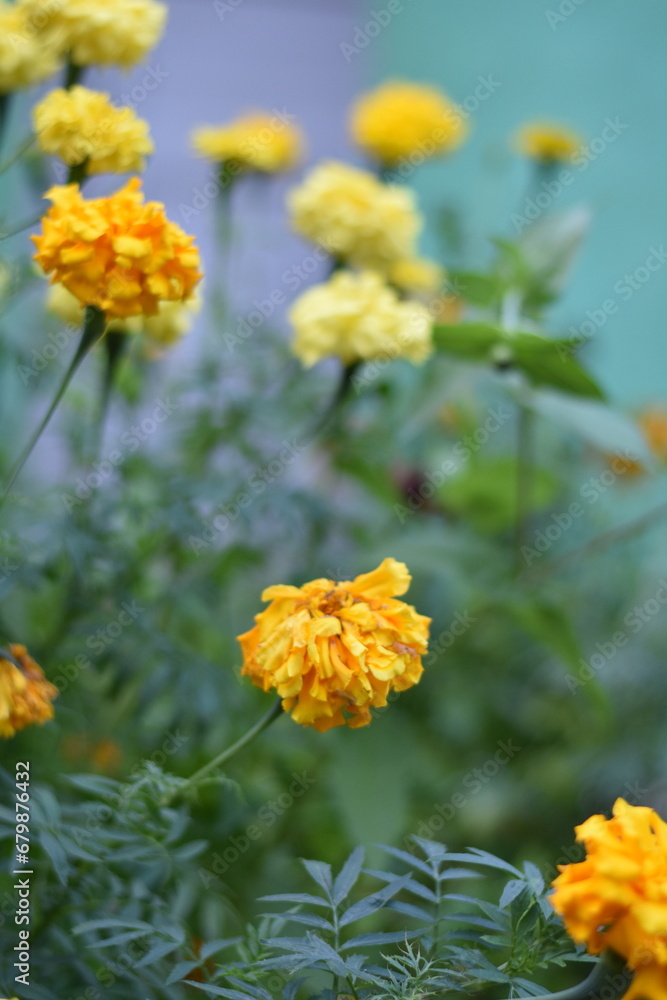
[547,142]
[25,693]
[99,32]
[653,423]
[355,217]
[171,323]
[333,651]
[261,141]
[400,118]
[25,57]
[117,253]
[63,304]
[81,125]
[358,317]
[417,275]
[617,897]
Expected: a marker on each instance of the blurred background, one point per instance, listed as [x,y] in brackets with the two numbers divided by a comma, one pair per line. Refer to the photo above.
[518,730]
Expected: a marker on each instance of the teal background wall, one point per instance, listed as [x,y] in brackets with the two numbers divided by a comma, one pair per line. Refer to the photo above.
[604,59]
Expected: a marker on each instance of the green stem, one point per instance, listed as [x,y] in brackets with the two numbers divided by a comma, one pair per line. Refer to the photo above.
[18,153]
[274,712]
[78,172]
[5,100]
[524,481]
[21,227]
[341,394]
[605,976]
[93,328]
[73,74]
[116,345]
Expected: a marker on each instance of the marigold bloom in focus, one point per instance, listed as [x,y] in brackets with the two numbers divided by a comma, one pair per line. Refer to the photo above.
[333,651]
[358,317]
[119,253]
[81,125]
[25,693]
[401,118]
[25,57]
[416,275]
[99,32]
[256,142]
[354,216]
[547,142]
[617,897]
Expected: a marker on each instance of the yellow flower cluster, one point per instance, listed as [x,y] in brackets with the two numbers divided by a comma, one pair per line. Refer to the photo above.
[399,119]
[99,32]
[356,316]
[617,897]
[25,693]
[25,57]
[416,275]
[81,125]
[117,253]
[257,142]
[355,217]
[547,142]
[333,651]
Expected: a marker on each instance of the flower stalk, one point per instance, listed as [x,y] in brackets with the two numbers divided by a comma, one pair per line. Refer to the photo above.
[93,328]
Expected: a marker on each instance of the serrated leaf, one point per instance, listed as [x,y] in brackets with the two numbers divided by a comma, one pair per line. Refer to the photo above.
[348,875]
[308,919]
[373,902]
[180,970]
[320,872]
[380,938]
[409,859]
[295,897]
[468,341]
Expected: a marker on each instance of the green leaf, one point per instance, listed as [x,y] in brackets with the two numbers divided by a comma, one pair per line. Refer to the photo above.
[373,902]
[470,341]
[480,289]
[348,875]
[604,428]
[320,872]
[552,363]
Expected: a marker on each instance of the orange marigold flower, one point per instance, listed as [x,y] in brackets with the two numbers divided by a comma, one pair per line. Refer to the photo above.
[118,253]
[617,897]
[25,693]
[333,651]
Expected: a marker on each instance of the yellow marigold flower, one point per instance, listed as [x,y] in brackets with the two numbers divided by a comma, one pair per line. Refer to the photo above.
[256,142]
[400,118]
[25,693]
[358,317]
[99,32]
[333,651]
[354,216]
[81,125]
[417,275]
[117,253]
[547,142]
[653,423]
[617,897]
[63,304]
[25,57]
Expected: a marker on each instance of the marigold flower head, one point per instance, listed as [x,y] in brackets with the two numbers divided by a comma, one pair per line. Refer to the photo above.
[354,216]
[81,125]
[401,118]
[259,141]
[416,275]
[25,693]
[25,57]
[358,317]
[99,32]
[333,651]
[547,142]
[617,897]
[118,253]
